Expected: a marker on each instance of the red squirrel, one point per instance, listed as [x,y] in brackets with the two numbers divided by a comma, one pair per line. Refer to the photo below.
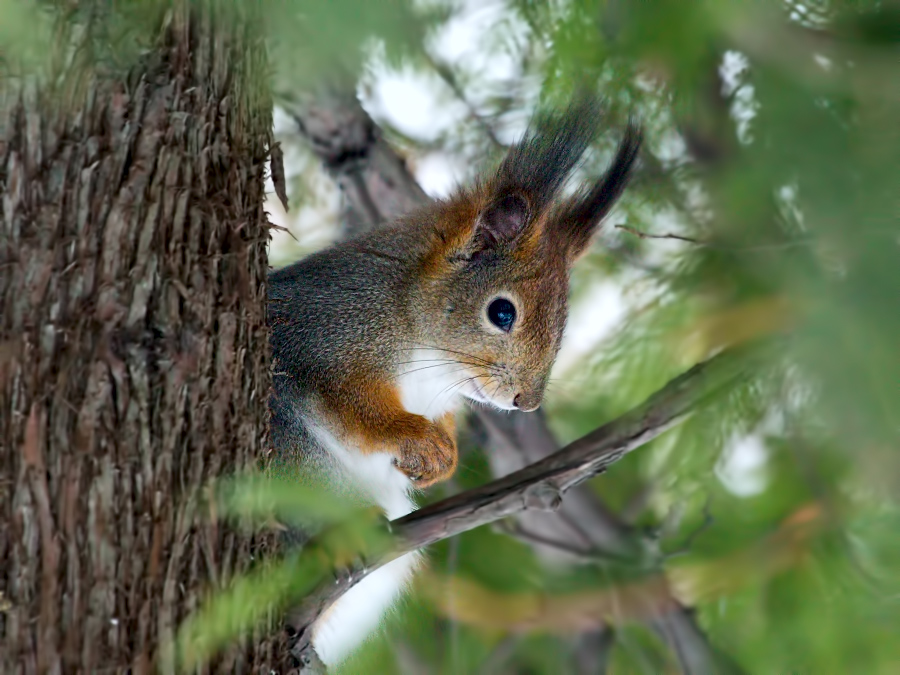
[378,339]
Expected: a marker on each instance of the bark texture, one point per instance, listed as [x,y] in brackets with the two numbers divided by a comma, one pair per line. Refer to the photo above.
[133,347]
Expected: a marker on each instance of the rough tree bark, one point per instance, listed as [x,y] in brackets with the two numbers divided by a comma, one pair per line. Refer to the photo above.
[133,348]
[377,187]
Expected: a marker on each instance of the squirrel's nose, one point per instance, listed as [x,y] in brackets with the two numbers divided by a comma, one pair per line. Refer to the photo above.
[520,402]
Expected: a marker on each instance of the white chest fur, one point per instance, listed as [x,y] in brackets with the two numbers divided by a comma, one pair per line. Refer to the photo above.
[431,383]
[429,386]
[357,614]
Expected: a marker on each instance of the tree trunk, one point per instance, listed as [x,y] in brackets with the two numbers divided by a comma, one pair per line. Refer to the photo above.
[133,348]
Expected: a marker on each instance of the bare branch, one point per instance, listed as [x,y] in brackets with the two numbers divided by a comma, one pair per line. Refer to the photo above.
[374,181]
[593,651]
[541,485]
[695,656]
[583,522]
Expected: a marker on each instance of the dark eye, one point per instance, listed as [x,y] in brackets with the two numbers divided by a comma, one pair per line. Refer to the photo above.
[502,314]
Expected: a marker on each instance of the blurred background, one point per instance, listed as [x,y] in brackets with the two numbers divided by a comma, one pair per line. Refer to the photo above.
[762,535]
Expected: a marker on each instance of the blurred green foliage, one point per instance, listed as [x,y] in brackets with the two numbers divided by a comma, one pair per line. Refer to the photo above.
[345,536]
[784,170]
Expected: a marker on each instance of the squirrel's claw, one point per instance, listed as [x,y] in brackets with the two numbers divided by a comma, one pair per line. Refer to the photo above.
[428,458]
[408,471]
[350,573]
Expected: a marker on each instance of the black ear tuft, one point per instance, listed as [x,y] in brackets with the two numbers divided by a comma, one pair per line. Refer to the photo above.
[502,221]
[582,215]
[539,164]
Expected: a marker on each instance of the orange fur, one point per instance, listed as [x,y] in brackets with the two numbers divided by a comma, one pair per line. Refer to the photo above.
[368,412]
[533,239]
[456,225]
[453,231]
[448,424]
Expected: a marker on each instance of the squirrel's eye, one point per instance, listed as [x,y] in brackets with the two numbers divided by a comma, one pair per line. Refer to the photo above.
[502,314]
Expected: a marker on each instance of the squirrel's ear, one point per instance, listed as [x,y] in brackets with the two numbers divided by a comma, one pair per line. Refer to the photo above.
[581,216]
[501,222]
[533,172]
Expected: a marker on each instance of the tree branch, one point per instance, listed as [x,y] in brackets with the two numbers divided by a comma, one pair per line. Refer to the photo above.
[540,485]
[374,181]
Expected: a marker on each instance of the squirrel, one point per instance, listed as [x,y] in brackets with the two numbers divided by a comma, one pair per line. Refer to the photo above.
[377,340]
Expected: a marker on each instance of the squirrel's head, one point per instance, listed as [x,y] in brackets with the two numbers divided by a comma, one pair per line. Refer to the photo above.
[496,280]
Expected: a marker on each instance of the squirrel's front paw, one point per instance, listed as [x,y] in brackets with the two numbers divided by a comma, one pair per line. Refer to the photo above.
[428,456]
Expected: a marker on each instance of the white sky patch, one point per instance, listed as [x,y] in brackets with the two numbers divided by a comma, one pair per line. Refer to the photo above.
[480,43]
[670,147]
[733,71]
[460,40]
[484,43]
[824,62]
[482,38]
[742,467]
[809,13]
[439,173]
[406,99]
[282,122]
[592,319]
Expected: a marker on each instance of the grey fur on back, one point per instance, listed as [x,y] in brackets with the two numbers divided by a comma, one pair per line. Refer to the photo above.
[320,308]
[322,328]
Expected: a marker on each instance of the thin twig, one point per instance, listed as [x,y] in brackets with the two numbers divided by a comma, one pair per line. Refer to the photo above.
[646,235]
[688,544]
[586,556]
[721,247]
